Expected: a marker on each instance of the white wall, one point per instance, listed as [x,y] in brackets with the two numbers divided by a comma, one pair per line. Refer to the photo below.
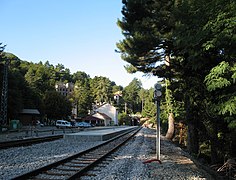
[109,110]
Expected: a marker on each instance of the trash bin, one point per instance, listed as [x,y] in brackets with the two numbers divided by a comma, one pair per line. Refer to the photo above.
[14,124]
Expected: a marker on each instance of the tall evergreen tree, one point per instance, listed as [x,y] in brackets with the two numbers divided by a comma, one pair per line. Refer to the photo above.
[148,42]
[101,89]
[149,109]
[199,50]
[131,96]
[56,105]
[182,31]
[82,96]
[38,76]
[143,95]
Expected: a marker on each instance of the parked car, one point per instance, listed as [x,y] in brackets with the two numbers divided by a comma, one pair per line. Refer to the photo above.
[63,124]
[82,124]
[38,123]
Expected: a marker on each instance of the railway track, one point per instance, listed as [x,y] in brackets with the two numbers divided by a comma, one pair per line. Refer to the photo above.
[77,165]
[25,142]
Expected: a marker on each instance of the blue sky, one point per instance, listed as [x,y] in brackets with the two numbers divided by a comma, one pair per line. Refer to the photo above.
[80,34]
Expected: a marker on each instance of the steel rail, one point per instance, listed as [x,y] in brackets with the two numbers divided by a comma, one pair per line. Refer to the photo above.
[78,164]
[30,141]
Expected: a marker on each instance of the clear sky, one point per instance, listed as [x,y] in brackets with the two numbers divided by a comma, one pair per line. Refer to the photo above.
[80,34]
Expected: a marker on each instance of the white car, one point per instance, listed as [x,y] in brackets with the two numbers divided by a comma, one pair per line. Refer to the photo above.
[63,124]
[38,123]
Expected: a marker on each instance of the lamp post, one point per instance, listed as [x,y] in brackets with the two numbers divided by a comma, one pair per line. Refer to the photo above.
[157,98]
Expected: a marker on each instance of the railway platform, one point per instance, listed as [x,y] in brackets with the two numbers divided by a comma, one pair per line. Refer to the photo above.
[35,132]
[98,135]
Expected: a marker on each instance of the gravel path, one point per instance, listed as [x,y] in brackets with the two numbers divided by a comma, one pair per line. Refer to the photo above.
[126,164]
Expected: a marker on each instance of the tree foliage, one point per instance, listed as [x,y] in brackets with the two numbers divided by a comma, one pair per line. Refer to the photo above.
[221,83]
[199,39]
[101,89]
[124,119]
[41,77]
[82,96]
[149,109]
[131,96]
[56,105]
[32,85]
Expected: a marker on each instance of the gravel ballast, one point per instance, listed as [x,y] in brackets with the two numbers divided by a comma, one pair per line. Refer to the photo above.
[20,160]
[127,163]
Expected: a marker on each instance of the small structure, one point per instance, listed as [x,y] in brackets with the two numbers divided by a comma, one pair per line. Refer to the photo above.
[106,119]
[117,96]
[93,120]
[29,116]
[98,119]
[108,110]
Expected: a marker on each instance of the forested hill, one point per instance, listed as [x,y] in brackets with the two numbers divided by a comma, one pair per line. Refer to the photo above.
[32,85]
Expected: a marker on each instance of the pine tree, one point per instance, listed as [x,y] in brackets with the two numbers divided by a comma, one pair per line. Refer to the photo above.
[196,35]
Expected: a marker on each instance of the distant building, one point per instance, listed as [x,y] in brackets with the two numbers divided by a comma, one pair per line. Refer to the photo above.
[117,96]
[108,110]
[29,116]
[99,119]
[64,89]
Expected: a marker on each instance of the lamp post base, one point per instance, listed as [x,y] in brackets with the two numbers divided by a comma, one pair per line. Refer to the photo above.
[152,160]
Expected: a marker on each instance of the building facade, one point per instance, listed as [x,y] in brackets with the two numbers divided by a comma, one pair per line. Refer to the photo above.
[64,88]
[110,111]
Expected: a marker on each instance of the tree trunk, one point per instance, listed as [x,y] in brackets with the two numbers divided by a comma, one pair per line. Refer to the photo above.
[193,138]
[171,126]
[214,150]
[192,135]
[142,104]
[214,143]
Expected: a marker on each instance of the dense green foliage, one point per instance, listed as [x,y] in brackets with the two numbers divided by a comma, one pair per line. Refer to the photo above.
[81,96]
[124,119]
[149,109]
[191,42]
[101,89]
[221,80]
[131,96]
[56,105]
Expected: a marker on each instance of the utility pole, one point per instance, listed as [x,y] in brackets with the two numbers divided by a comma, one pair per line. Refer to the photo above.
[3,115]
